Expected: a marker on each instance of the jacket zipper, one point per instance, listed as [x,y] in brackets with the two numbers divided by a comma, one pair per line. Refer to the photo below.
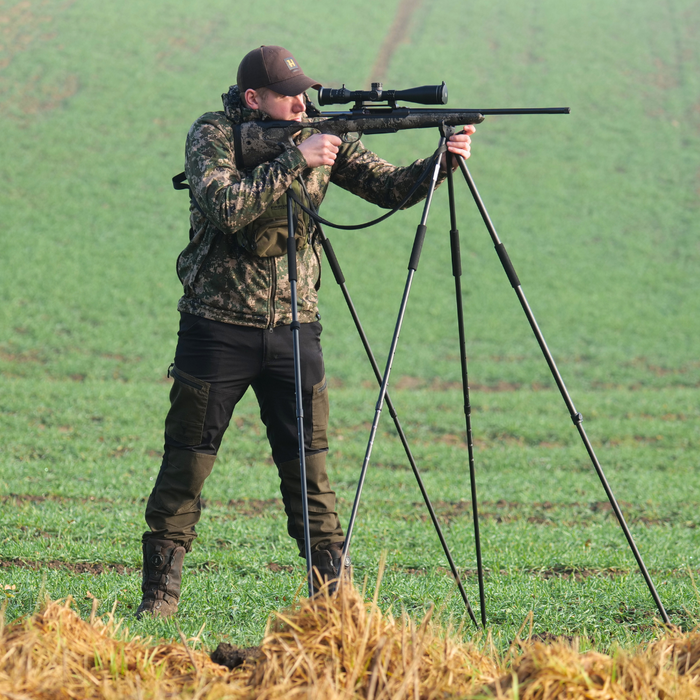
[273,292]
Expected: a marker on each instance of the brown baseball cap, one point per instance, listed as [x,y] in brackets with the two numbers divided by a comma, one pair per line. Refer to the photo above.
[275,68]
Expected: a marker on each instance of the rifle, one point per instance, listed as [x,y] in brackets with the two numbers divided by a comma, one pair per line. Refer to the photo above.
[260,141]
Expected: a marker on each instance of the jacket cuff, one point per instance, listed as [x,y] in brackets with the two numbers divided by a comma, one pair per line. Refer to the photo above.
[292,159]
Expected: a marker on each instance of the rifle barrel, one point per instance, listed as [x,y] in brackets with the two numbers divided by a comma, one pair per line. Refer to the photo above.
[527,110]
[385,111]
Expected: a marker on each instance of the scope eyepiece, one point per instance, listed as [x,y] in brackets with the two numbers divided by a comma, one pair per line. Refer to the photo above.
[425,95]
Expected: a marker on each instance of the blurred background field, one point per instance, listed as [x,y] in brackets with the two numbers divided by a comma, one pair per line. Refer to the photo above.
[599,211]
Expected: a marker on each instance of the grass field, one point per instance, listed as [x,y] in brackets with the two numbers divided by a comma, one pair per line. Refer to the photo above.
[599,211]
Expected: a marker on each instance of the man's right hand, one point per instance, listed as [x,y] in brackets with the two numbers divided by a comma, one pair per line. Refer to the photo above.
[320,149]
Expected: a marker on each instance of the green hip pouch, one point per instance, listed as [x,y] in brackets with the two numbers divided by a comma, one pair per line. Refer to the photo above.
[269,238]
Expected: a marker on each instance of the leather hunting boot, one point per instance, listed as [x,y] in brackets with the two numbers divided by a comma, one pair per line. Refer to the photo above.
[162,574]
[326,565]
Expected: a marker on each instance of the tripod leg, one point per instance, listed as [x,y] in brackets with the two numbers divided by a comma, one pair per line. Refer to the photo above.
[457,273]
[292,263]
[412,266]
[340,279]
[576,417]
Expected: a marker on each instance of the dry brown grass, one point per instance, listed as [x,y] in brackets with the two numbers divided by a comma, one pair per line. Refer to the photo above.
[338,648]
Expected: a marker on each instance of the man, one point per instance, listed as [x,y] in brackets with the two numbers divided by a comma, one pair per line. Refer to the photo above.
[236,312]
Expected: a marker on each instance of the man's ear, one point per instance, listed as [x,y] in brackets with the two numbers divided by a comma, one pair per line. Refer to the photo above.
[251,98]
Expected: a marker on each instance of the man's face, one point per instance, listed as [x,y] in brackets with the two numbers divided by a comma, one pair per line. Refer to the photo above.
[276,106]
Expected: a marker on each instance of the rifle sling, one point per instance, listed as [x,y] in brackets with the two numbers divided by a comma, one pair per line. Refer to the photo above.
[315,215]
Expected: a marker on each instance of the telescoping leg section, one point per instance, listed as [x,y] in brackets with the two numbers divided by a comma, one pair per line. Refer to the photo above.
[457,274]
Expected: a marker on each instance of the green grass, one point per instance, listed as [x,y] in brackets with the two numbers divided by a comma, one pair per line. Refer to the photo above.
[80,475]
[598,210]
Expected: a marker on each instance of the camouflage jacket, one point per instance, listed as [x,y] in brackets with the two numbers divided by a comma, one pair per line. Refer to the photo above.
[225,281]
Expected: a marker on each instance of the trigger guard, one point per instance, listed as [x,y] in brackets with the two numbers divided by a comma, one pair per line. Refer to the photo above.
[345,138]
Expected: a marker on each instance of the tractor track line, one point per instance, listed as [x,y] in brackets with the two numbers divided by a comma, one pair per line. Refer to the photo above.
[398,33]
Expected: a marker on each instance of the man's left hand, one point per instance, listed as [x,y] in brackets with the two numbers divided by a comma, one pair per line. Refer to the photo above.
[460,145]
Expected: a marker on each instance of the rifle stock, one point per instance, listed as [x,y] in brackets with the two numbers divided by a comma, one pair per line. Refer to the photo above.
[259,141]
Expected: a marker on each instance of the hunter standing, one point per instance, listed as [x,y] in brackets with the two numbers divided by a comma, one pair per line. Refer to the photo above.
[236,314]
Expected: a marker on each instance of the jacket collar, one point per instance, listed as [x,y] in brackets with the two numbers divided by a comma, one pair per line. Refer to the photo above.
[236,111]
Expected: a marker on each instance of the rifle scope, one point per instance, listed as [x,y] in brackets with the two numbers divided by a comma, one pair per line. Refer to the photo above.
[424,95]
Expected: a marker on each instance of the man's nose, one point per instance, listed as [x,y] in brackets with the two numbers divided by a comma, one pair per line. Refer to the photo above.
[299,103]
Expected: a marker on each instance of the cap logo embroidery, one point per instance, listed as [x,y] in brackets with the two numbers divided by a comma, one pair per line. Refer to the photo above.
[291,64]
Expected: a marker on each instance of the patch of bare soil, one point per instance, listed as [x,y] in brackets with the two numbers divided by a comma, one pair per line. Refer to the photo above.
[549,638]
[248,507]
[95,568]
[279,568]
[19,498]
[410,383]
[565,572]
[546,512]
[23,26]
[576,574]
[30,356]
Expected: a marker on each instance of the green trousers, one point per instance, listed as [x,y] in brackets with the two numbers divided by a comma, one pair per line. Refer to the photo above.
[215,363]
[174,506]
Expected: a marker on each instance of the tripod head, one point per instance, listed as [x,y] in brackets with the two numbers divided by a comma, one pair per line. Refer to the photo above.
[424,95]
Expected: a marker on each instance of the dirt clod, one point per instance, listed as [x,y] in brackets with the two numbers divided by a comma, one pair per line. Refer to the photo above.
[232,656]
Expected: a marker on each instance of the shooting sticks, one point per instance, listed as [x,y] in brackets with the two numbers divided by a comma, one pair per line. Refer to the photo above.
[576,417]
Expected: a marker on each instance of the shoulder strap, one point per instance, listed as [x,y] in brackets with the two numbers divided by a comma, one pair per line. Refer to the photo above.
[180,183]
